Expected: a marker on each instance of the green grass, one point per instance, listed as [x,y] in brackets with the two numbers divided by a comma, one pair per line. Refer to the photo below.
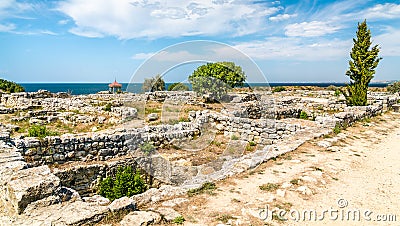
[40,131]
[303,115]
[207,188]
[224,218]
[278,89]
[269,187]
[147,148]
[234,137]
[337,129]
[179,220]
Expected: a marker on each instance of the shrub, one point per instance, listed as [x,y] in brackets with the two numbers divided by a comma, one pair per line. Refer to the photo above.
[125,183]
[337,129]
[331,88]
[153,84]
[147,148]
[40,131]
[269,187]
[234,137]
[303,115]
[179,86]
[394,88]
[107,107]
[278,89]
[178,220]
[337,93]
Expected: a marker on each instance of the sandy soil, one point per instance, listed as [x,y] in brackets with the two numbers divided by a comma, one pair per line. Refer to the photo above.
[357,170]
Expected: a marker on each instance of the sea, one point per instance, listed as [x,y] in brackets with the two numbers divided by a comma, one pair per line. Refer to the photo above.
[91,88]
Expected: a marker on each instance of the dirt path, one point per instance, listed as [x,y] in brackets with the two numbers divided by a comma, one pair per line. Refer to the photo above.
[357,171]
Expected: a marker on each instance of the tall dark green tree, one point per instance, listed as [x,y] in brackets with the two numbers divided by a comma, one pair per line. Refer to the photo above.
[364,60]
[217,78]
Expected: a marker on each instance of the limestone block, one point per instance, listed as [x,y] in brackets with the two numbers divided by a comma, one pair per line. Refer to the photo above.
[29,185]
[123,203]
[139,218]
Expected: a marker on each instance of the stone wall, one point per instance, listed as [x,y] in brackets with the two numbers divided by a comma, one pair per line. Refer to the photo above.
[98,146]
[262,131]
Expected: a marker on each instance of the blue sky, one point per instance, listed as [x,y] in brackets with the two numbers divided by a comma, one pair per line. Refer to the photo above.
[99,40]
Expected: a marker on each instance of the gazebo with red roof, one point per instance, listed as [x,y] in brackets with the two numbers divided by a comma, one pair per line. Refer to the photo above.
[115,87]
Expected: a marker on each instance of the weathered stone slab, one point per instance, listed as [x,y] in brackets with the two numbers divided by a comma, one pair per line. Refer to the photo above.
[168,214]
[69,213]
[123,203]
[141,218]
[29,185]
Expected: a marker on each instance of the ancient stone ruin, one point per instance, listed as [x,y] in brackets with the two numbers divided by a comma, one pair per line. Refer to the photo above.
[52,180]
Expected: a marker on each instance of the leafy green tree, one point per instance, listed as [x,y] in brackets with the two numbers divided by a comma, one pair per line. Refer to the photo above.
[217,78]
[364,60]
[10,87]
[153,84]
[178,86]
[126,183]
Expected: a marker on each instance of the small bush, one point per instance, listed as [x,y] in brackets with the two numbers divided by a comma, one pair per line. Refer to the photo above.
[207,187]
[278,89]
[184,119]
[331,88]
[147,148]
[125,183]
[269,187]
[40,131]
[107,107]
[225,218]
[179,220]
[337,93]
[394,88]
[252,143]
[234,137]
[303,115]
[179,86]
[337,129]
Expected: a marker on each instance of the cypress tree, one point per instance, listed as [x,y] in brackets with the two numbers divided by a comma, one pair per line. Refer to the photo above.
[364,60]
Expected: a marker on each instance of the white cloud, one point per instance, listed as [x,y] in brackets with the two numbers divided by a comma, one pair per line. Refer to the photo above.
[10,8]
[382,11]
[168,56]
[281,17]
[7,27]
[63,22]
[296,48]
[142,56]
[389,42]
[128,19]
[310,29]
